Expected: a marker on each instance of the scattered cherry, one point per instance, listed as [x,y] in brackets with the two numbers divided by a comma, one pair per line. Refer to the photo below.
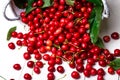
[115,35]
[60,69]
[106,38]
[50,76]
[27,76]
[30,64]
[75,75]
[11,45]
[17,66]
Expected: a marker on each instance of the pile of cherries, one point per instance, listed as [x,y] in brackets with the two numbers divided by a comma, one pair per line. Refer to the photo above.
[63,31]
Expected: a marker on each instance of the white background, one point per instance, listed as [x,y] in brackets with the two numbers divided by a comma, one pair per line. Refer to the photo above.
[9,57]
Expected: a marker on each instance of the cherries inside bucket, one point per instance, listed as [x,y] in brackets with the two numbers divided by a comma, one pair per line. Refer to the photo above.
[60,34]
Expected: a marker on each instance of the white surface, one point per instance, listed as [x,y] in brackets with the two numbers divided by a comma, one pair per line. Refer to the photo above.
[9,57]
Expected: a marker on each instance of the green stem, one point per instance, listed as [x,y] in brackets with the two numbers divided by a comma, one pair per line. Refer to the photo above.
[62,77]
[3,78]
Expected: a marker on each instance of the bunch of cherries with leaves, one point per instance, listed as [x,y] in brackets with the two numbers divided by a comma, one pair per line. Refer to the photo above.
[63,31]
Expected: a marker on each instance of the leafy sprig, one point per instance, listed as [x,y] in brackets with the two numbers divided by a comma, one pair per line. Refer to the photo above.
[9,32]
[95,22]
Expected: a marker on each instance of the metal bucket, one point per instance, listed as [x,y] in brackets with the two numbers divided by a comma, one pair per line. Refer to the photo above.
[15,10]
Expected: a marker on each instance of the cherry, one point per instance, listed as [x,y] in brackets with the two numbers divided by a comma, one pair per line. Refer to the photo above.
[80,68]
[50,76]
[88,66]
[60,69]
[75,75]
[17,66]
[102,63]
[51,62]
[20,35]
[110,57]
[27,76]
[106,38]
[111,70]
[51,69]
[86,73]
[36,70]
[100,71]
[79,61]
[22,14]
[11,45]
[117,52]
[100,77]
[72,64]
[62,2]
[26,55]
[19,42]
[115,35]
[46,57]
[93,72]
[40,2]
[40,64]
[38,56]
[30,64]
[14,34]
[91,61]
[118,71]
[58,61]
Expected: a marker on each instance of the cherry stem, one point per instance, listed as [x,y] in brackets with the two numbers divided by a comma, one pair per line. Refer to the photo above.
[57,46]
[40,32]
[63,58]
[62,77]
[73,45]
[3,77]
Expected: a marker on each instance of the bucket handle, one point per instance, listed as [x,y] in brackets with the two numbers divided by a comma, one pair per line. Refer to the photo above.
[5,13]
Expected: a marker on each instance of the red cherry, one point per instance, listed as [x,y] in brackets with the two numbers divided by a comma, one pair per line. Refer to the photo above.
[60,69]
[50,76]
[17,66]
[111,70]
[27,76]
[118,71]
[30,64]
[11,45]
[75,75]
[37,70]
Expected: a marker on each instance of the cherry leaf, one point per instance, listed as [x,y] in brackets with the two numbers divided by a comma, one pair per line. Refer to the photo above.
[29,8]
[47,3]
[10,31]
[70,2]
[115,63]
[99,43]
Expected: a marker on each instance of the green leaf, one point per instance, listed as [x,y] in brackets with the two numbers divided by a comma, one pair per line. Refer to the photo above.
[20,3]
[29,8]
[95,24]
[99,43]
[47,3]
[92,17]
[115,63]
[10,31]
[70,2]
